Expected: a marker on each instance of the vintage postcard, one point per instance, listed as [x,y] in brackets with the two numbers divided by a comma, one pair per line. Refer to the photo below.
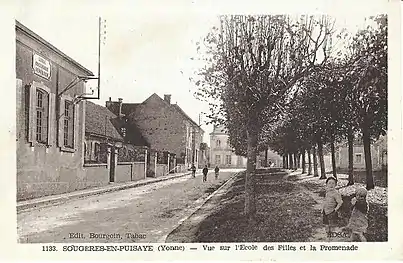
[203,131]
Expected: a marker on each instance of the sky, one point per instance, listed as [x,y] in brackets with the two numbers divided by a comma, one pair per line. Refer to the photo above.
[146,49]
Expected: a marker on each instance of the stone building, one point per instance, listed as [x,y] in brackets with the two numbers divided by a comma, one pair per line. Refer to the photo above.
[50,122]
[173,137]
[221,153]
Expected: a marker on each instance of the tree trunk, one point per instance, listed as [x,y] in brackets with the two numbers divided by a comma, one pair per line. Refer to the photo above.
[250,201]
[265,157]
[309,162]
[321,160]
[368,161]
[315,163]
[303,161]
[299,160]
[295,161]
[290,166]
[350,138]
[284,162]
[333,159]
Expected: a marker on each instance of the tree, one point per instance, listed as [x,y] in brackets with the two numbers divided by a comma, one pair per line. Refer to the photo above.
[370,71]
[253,64]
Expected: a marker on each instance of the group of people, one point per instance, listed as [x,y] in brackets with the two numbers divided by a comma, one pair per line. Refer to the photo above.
[358,222]
[205,172]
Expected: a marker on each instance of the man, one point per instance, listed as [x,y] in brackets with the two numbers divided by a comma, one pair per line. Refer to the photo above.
[205,172]
[216,170]
[193,168]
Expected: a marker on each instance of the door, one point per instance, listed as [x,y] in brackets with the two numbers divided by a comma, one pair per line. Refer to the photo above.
[113,165]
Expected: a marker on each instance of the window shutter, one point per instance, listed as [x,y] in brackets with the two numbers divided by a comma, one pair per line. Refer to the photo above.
[19,112]
[76,129]
[32,114]
[61,122]
[51,120]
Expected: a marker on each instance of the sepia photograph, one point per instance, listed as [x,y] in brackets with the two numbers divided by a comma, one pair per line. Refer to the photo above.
[203,131]
[225,128]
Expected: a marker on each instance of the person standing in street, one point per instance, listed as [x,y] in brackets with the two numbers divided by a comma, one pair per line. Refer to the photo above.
[216,170]
[193,168]
[205,172]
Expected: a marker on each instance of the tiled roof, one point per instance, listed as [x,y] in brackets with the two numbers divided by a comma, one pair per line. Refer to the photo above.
[128,108]
[178,109]
[98,121]
[133,133]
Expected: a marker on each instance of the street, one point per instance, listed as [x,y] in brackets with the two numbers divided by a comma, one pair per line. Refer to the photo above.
[143,214]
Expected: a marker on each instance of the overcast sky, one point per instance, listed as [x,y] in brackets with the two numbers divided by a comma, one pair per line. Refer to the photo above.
[145,49]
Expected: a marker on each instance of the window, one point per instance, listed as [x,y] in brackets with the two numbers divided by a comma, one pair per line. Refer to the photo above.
[68,124]
[218,159]
[123,130]
[228,159]
[68,139]
[97,151]
[42,110]
[218,143]
[358,158]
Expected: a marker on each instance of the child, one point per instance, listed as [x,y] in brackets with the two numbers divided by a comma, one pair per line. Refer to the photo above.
[205,172]
[358,222]
[216,170]
[331,205]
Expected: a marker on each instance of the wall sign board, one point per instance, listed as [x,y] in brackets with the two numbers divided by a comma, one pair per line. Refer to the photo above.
[41,66]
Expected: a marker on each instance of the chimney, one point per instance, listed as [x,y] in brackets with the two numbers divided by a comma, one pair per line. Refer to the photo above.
[108,103]
[167,98]
[120,107]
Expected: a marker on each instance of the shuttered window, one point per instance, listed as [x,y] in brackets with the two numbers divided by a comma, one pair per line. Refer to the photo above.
[68,124]
[41,112]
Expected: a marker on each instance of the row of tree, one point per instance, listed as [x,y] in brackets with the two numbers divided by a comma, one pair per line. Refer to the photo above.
[274,81]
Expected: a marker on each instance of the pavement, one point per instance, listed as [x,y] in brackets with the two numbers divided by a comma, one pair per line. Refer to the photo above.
[62,198]
[147,213]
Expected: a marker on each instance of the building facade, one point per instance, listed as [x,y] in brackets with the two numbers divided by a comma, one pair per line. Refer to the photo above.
[50,122]
[221,153]
[378,155]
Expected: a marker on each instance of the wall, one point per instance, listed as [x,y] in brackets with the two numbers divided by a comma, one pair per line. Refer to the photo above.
[160,125]
[342,158]
[44,170]
[123,172]
[161,170]
[96,174]
[129,171]
[138,171]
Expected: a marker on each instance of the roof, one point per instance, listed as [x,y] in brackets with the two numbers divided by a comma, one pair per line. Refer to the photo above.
[133,133]
[176,106]
[35,36]
[98,121]
[128,108]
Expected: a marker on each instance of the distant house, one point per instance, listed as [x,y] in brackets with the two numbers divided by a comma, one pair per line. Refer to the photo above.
[107,146]
[50,121]
[273,159]
[378,154]
[221,153]
[173,137]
